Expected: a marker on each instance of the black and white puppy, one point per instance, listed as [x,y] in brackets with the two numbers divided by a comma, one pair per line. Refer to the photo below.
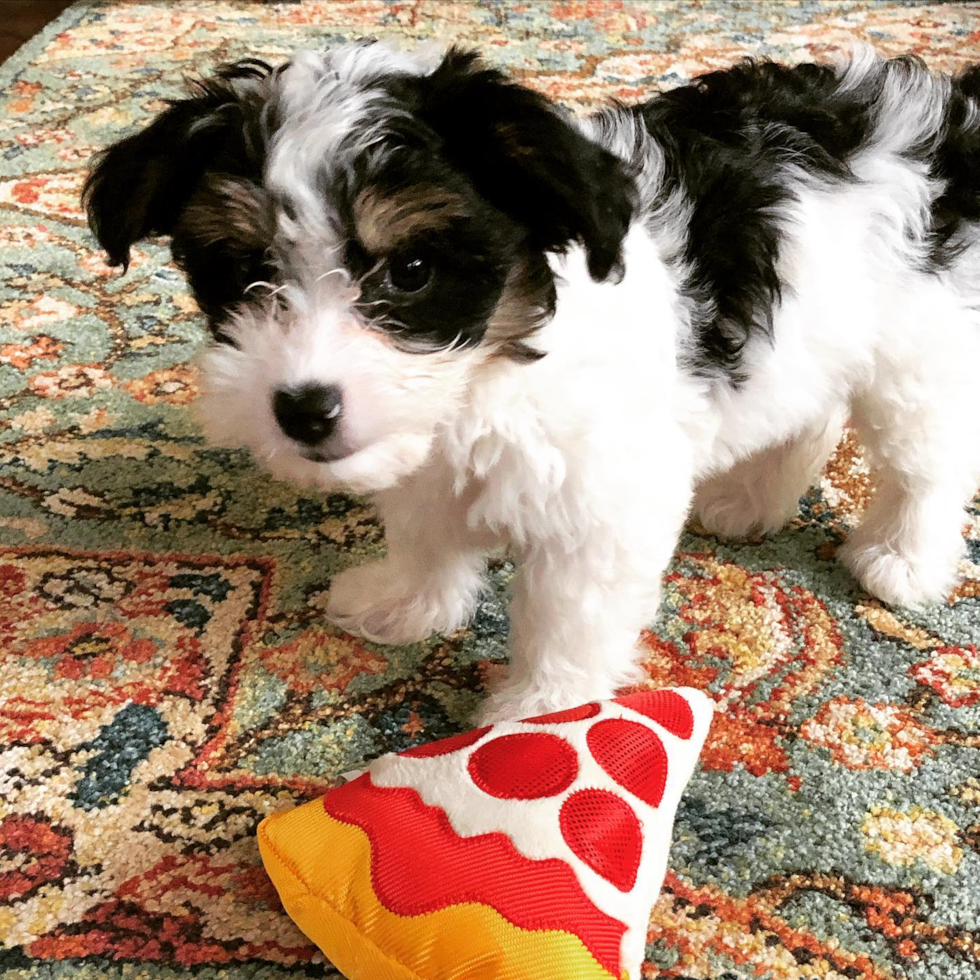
[512,328]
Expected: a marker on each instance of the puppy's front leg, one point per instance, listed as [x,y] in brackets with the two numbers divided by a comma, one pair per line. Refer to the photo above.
[430,578]
[577,615]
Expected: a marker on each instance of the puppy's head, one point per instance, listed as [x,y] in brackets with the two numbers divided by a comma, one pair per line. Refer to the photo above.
[364,232]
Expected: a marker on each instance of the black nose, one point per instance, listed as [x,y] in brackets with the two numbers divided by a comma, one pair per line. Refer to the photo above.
[307,414]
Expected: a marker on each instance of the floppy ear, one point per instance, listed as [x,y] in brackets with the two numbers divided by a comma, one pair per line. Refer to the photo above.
[139,186]
[529,160]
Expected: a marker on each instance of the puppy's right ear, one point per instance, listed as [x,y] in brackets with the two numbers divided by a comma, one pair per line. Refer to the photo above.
[139,186]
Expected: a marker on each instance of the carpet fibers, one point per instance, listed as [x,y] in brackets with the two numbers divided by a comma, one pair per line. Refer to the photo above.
[166,676]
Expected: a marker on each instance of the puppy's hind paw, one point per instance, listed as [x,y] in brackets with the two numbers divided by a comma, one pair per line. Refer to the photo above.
[895,579]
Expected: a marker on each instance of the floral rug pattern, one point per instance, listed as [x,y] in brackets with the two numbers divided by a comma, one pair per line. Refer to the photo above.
[167,678]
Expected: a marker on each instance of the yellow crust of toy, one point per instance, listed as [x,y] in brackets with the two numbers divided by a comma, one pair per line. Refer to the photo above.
[322,870]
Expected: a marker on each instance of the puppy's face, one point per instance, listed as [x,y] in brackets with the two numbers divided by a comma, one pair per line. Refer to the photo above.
[364,233]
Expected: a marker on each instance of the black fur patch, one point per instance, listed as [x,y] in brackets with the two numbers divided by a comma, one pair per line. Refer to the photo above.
[470,251]
[527,159]
[958,163]
[177,177]
[140,185]
[221,240]
[726,138]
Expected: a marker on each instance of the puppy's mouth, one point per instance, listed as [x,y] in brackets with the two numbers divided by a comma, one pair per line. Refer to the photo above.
[326,455]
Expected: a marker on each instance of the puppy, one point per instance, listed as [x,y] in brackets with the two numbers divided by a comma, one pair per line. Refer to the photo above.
[511,328]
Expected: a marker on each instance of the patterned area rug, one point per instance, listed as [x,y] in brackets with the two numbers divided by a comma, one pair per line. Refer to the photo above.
[166,677]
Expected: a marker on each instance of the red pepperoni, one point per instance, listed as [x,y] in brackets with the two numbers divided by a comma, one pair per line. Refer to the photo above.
[445,745]
[524,766]
[631,754]
[602,830]
[667,708]
[580,713]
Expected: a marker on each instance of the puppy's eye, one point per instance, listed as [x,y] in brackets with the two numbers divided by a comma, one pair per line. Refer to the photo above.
[409,273]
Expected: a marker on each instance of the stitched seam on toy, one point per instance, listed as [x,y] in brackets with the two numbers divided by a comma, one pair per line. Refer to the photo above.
[288,865]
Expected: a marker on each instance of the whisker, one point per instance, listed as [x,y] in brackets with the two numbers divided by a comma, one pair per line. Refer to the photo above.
[333,272]
[449,348]
[268,285]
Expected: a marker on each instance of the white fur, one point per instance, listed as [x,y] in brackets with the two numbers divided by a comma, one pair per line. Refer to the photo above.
[585,463]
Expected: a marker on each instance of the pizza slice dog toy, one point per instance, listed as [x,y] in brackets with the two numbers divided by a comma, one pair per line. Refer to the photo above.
[532,850]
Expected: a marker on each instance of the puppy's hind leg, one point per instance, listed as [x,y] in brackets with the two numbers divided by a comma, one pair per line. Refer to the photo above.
[922,430]
[762,493]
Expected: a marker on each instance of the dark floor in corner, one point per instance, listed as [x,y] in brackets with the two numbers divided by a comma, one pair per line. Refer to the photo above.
[20,20]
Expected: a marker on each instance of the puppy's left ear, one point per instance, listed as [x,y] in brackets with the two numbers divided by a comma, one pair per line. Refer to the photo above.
[529,160]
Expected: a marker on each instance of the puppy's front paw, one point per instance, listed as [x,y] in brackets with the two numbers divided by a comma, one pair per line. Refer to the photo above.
[516,701]
[518,696]
[383,605]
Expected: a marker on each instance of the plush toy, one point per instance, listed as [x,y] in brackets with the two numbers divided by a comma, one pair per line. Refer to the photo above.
[531,850]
